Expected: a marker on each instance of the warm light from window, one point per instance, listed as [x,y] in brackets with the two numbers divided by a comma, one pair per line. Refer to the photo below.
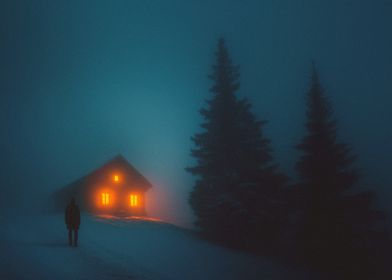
[105,199]
[134,200]
[116,178]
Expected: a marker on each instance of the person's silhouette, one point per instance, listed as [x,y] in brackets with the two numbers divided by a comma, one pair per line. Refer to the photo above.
[72,220]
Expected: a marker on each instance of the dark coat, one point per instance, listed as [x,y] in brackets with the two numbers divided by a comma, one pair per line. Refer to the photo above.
[72,216]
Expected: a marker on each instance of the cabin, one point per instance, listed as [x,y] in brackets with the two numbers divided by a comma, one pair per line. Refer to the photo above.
[115,188]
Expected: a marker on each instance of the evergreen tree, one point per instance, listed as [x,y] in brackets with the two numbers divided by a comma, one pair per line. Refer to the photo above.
[338,230]
[236,192]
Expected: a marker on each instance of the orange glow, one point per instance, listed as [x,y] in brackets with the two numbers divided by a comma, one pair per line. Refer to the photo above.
[134,200]
[129,218]
[116,178]
[105,198]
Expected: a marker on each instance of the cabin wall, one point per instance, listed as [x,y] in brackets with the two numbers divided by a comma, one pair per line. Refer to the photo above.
[119,197]
[89,191]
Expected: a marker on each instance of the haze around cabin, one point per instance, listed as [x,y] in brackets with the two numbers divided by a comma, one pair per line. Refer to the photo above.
[81,81]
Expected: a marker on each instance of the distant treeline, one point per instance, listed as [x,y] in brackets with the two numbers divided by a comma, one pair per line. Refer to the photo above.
[242,200]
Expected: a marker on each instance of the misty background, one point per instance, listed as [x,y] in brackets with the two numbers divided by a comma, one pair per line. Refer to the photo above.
[82,81]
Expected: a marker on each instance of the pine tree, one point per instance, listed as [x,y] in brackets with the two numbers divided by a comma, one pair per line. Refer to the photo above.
[338,230]
[237,186]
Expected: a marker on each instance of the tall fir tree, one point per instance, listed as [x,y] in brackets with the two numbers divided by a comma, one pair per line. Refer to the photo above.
[235,198]
[338,229]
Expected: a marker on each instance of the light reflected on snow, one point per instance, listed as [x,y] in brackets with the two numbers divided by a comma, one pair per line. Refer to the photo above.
[128,218]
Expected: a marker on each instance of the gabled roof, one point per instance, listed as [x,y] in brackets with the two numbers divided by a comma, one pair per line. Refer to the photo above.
[121,162]
[118,162]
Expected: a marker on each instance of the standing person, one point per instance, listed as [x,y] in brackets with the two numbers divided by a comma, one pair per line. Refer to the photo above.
[72,220]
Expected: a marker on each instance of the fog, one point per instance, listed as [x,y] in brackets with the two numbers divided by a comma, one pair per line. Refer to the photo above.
[82,81]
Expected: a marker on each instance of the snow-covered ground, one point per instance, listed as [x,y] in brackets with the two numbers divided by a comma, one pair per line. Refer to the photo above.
[35,247]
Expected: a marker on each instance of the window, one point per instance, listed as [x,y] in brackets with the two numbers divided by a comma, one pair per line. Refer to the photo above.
[116,178]
[105,199]
[134,200]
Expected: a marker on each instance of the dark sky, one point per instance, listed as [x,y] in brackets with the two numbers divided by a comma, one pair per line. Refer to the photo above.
[81,81]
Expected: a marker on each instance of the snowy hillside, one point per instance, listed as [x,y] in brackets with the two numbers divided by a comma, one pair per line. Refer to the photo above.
[35,247]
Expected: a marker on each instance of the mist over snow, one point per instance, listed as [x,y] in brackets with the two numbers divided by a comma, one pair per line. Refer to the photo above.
[36,249]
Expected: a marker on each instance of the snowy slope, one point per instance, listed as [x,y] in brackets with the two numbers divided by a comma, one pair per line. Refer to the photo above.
[35,247]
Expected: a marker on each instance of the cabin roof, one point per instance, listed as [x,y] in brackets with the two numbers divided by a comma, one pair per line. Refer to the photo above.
[118,162]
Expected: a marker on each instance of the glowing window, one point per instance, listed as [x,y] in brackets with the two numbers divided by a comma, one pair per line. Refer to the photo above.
[116,178]
[134,200]
[105,199]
